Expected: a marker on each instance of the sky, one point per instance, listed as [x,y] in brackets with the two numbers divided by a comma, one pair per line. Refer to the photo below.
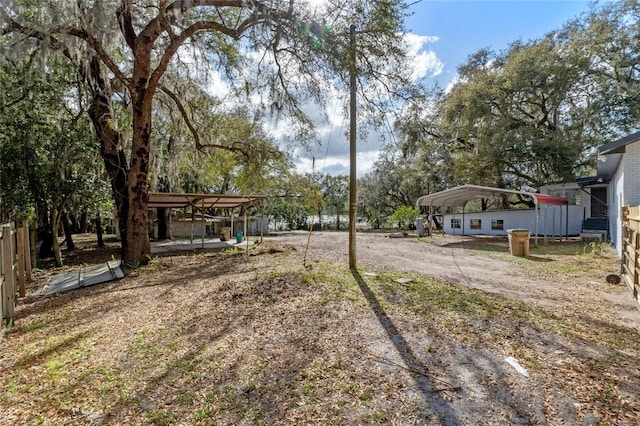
[443,34]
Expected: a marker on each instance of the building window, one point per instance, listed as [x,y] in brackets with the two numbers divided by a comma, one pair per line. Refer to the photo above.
[497,224]
[455,223]
[577,199]
[573,195]
[476,224]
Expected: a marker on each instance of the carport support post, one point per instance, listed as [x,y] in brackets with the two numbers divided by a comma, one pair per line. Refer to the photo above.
[204,224]
[560,229]
[537,207]
[193,218]
[453,220]
[245,227]
[463,228]
[566,225]
[262,220]
[544,225]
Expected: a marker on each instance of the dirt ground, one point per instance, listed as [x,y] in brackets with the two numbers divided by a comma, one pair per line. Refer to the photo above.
[447,257]
[206,337]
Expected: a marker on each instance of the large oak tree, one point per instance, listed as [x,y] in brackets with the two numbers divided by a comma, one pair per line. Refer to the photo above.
[275,48]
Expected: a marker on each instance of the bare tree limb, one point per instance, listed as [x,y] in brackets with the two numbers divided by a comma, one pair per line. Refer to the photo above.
[123,13]
[196,137]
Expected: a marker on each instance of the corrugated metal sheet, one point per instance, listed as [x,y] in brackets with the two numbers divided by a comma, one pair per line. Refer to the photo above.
[84,277]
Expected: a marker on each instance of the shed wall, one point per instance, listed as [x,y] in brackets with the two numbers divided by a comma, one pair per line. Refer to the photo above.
[181,229]
[518,219]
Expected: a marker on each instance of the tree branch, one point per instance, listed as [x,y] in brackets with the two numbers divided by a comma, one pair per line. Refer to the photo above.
[178,41]
[183,112]
[56,44]
[123,13]
[164,22]
[104,57]
[196,137]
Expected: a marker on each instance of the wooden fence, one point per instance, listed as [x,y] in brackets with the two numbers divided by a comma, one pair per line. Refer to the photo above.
[631,249]
[15,267]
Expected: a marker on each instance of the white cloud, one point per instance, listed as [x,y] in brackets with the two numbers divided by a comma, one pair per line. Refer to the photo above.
[425,62]
[338,165]
[332,153]
[455,80]
[217,86]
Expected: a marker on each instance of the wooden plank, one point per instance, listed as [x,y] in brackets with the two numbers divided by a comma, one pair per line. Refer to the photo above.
[635,260]
[630,259]
[1,295]
[625,278]
[2,290]
[9,288]
[20,264]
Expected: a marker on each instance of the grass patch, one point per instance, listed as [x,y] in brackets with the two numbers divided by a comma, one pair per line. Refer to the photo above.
[159,417]
[271,341]
[592,260]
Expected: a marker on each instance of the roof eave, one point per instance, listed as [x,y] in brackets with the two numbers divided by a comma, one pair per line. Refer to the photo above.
[618,146]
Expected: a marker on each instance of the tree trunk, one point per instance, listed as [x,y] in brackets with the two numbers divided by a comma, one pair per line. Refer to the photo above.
[33,241]
[163,224]
[67,231]
[111,144]
[45,233]
[164,215]
[319,211]
[71,217]
[138,245]
[55,223]
[84,222]
[99,230]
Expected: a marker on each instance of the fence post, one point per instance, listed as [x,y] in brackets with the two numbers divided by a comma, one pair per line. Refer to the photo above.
[624,214]
[27,248]
[9,288]
[636,263]
[2,290]
[21,266]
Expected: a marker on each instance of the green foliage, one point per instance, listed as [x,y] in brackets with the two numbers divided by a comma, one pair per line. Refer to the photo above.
[608,38]
[404,216]
[53,151]
[290,211]
[522,117]
[335,195]
[292,198]
[259,52]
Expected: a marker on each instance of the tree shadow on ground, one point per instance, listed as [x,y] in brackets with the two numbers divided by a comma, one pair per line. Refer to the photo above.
[429,391]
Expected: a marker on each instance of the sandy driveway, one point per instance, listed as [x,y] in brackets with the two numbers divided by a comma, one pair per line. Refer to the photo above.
[446,258]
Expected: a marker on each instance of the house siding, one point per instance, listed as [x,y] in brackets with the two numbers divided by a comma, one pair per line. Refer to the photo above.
[631,164]
[616,197]
[624,190]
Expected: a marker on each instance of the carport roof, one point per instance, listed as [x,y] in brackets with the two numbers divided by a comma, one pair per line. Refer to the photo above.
[215,201]
[461,195]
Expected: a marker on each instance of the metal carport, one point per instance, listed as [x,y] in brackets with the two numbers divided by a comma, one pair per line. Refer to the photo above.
[461,195]
[203,202]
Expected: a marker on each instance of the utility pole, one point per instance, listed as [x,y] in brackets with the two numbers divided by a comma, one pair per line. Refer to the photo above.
[352,148]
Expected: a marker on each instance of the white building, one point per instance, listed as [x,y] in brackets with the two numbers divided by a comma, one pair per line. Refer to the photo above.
[619,169]
[588,206]
[546,214]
